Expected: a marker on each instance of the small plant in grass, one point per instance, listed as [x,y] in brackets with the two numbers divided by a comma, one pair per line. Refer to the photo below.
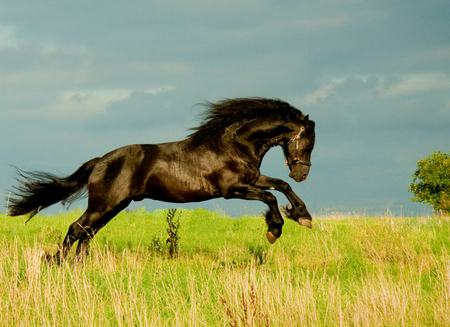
[173,225]
[157,245]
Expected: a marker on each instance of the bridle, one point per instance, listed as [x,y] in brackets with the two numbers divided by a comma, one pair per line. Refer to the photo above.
[296,160]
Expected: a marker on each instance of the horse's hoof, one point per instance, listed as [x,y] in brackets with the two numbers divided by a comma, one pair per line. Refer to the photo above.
[50,259]
[47,258]
[305,223]
[271,238]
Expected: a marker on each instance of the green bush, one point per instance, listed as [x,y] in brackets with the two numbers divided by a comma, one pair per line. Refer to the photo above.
[431,182]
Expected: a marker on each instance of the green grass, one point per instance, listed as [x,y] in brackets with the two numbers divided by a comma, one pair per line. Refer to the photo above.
[344,272]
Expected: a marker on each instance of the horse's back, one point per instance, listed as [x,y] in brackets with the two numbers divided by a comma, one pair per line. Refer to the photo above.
[165,172]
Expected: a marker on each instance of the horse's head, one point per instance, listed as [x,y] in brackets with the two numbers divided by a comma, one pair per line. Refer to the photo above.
[298,148]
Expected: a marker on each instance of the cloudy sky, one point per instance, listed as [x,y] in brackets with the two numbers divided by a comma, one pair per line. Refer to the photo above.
[80,78]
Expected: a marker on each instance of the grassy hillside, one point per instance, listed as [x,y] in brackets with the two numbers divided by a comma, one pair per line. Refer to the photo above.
[343,272]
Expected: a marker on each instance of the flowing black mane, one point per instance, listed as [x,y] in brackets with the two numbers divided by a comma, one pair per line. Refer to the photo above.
[225,113]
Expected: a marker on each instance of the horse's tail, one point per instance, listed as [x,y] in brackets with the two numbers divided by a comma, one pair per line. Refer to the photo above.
[39,190]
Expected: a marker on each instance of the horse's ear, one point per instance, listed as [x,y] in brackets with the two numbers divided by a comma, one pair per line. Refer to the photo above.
[306,118]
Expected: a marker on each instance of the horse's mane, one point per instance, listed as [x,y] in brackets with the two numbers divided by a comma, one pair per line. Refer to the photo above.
[225,113]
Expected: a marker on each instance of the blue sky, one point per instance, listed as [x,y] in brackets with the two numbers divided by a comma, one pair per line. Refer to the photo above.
[80,78]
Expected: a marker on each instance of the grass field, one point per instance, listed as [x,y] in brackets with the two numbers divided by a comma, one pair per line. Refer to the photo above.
[344,272]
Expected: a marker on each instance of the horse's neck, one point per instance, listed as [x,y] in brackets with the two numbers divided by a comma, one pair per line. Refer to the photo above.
[261,136]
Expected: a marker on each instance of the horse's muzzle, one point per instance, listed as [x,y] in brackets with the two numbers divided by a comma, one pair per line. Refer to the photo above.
[297,176]
[305,223]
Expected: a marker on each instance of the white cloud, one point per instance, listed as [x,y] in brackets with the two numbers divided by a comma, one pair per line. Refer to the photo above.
[81,103]
[417,83]
[138,110]
[359,88]
[348,89]
[319,94]
[73,104]
[161,89]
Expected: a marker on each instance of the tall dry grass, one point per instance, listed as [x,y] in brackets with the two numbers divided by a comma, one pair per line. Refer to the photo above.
[347,273]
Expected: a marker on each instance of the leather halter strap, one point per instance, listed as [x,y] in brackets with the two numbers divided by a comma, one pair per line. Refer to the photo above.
[296,160]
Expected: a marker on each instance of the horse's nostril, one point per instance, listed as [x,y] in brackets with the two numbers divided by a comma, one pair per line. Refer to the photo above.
[304,177]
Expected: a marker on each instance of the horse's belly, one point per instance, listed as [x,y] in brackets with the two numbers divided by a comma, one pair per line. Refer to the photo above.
[176,190]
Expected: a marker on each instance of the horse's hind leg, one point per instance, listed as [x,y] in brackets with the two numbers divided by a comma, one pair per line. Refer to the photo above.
[83,246]
[77,230]
[83,230]
[94,227]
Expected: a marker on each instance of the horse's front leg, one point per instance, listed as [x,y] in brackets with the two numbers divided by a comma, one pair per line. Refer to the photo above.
[298,212]
[274,219]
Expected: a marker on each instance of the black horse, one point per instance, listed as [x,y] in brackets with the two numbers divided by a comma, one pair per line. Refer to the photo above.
[221,158]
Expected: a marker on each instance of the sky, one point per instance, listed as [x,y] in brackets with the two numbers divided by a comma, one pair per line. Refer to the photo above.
[81,78]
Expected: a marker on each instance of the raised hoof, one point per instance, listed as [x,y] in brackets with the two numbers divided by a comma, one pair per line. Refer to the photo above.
[271,238]
[305,223]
